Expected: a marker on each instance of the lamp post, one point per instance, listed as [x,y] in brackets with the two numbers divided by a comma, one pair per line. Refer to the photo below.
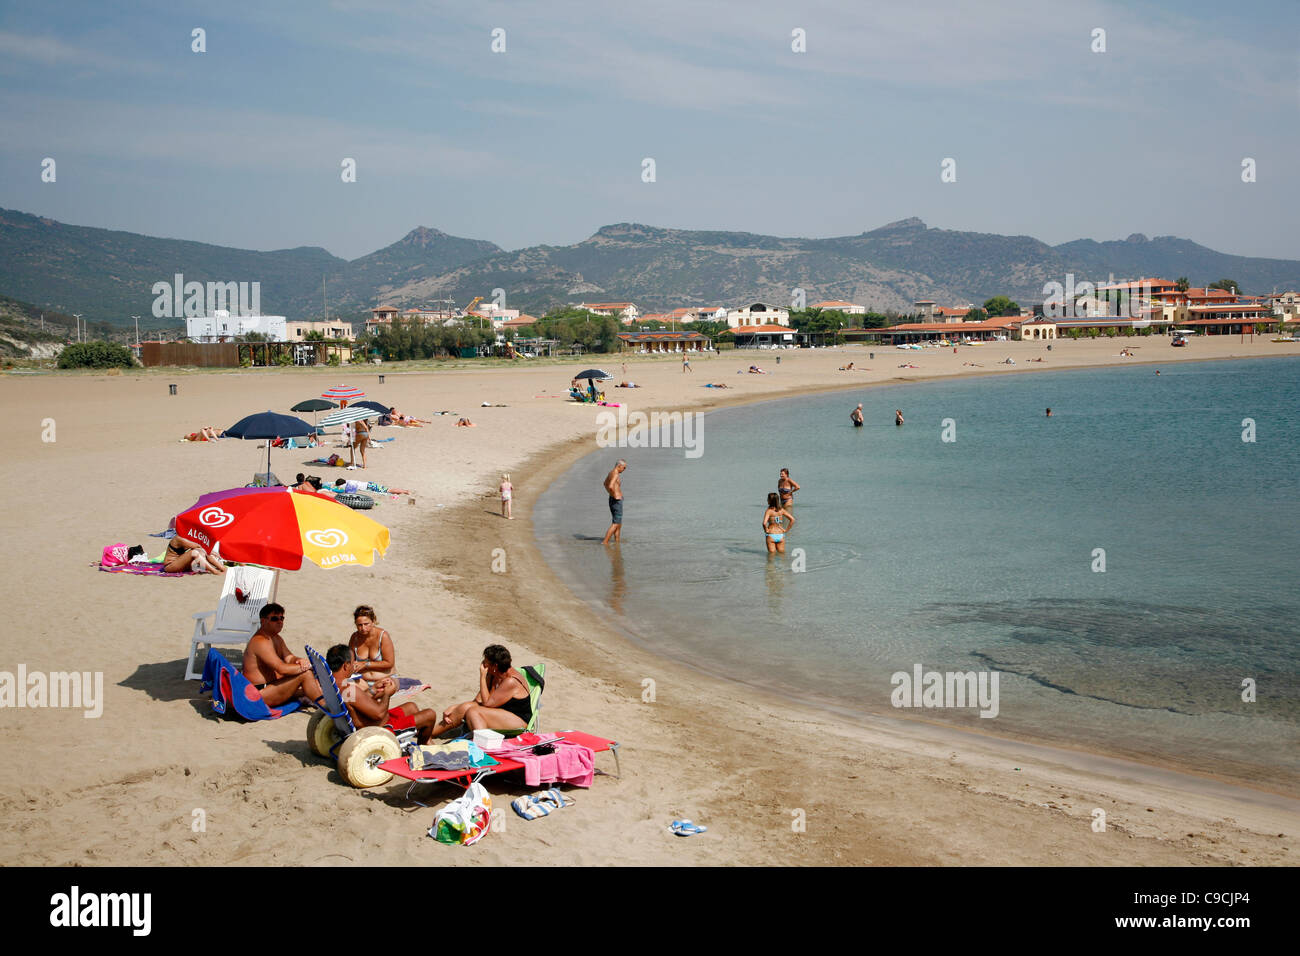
[77,316]
[137,330]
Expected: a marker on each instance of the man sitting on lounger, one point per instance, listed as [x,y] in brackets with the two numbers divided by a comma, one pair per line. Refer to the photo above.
[369,706]
[278,675]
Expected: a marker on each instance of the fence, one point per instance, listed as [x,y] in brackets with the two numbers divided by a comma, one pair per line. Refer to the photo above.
[217,355]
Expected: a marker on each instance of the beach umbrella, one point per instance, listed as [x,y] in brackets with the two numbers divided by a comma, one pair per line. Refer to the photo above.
[347,392]
[595,373]
[371,403]
[270,425]
[313,405]
[280,527]
[353,413]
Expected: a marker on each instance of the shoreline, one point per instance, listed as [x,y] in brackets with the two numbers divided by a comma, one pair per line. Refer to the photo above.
[555,461]
[121,789]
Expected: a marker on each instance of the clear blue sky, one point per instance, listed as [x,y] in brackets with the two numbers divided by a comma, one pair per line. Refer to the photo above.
[544,142]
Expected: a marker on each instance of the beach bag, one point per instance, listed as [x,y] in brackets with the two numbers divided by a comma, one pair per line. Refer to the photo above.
[466,819]
[114,555]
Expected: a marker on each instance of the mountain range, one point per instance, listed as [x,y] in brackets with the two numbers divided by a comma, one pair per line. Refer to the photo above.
[108,275]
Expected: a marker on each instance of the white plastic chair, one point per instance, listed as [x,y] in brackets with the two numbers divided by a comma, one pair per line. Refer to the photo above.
[233,621]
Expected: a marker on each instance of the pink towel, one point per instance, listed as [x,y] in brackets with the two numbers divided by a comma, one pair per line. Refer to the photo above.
[571,763]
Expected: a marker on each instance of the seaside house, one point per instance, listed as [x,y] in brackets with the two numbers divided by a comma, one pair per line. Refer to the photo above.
[624,311]
[333,329]
[646,342]
[765,336]
[988,330]
[221,326]
[929,312]
[684,316]
[757,314]
[839,305]
[1036,330]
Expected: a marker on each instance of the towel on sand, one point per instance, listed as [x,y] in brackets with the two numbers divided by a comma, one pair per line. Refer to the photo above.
[156,570]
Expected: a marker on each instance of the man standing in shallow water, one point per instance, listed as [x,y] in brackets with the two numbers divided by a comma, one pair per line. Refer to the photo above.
[614,485]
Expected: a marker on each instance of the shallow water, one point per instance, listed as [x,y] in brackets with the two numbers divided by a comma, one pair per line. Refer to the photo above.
[978,554]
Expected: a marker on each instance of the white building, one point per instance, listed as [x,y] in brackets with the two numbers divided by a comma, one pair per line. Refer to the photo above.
[759,313]
[839,305]
[221,326]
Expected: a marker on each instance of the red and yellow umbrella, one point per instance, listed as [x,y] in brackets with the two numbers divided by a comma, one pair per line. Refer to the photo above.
[278,527]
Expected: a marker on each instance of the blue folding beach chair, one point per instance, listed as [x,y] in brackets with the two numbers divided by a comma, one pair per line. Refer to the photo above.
[331,733]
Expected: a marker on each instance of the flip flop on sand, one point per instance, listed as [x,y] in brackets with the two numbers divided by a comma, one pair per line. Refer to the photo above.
[687,828]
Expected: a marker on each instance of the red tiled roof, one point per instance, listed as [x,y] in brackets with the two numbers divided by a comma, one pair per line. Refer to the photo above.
[1003,322]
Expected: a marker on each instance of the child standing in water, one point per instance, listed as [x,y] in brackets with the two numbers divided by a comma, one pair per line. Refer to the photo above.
[506,489]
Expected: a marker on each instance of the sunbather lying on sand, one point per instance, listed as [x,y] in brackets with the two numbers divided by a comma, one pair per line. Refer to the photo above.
[207,433]
[369,706]
[311,483]
[183,554]
[361,487]
[465,423]
[404,420]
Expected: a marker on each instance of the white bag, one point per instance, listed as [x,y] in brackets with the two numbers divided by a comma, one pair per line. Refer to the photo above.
[466,819]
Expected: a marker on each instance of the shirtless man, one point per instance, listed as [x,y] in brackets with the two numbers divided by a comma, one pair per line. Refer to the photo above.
[278,675]
[856,417]
[614,485]
[369,706]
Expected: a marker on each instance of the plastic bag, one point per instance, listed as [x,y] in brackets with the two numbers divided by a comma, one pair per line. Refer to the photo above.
[466,819]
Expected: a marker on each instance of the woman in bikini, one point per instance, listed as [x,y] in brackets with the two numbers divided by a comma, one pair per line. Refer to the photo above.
[373,655]
[362,440]
[183,553]
[775,526]
[503,701]
[786,486]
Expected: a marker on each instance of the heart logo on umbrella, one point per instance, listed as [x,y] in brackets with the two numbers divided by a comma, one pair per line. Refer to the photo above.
[215,517]
[327,537]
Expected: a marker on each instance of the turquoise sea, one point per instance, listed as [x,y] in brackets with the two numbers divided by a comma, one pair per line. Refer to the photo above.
[982,554]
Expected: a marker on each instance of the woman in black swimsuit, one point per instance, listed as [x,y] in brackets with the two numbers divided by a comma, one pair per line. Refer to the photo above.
[503,697]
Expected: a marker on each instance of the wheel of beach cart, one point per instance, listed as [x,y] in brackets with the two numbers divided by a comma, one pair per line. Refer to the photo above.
[361,754]
[355,502]
[322,735]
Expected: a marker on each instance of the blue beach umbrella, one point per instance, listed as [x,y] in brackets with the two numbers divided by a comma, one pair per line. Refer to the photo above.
[269,425]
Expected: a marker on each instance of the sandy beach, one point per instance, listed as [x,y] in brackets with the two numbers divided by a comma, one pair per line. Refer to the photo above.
[775,782]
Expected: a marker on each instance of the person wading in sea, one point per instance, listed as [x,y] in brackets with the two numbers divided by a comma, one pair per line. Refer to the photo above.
[856,416]
[614,485]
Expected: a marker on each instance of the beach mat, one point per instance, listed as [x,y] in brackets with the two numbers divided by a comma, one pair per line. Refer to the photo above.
[153,570]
